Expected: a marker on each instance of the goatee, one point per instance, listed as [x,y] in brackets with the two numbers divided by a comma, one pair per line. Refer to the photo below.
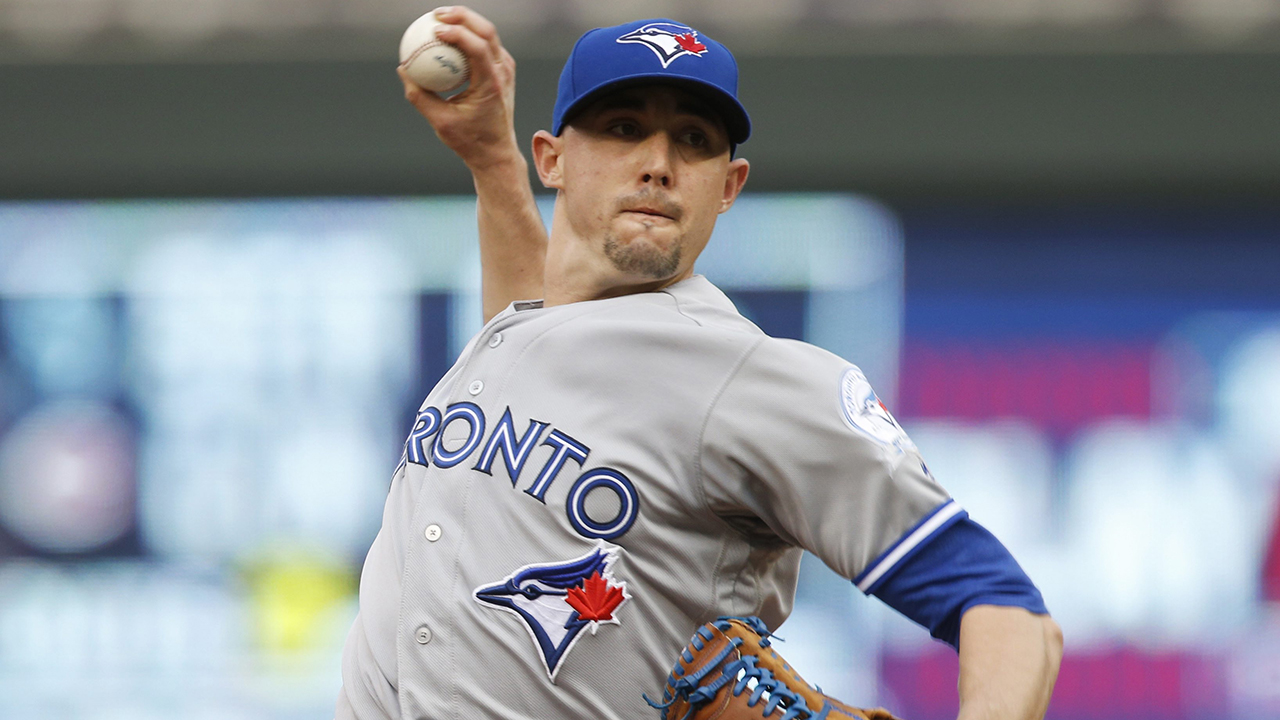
[640,258]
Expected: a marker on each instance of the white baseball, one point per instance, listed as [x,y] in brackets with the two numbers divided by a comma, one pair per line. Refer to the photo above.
[430,62]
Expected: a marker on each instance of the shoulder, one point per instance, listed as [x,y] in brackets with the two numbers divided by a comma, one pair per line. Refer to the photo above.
[700,302]
[690,317]
[809,380]
[795,366]
[663,339]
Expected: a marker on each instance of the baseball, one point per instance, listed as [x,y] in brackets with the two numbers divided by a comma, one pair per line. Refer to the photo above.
[432,63]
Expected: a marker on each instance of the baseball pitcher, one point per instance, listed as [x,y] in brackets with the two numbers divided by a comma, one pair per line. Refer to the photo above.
[600,509]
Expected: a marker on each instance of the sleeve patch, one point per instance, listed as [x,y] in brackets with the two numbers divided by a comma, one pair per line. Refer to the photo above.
[866,414]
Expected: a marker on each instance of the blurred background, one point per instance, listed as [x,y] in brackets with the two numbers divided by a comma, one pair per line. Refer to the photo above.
[233,261]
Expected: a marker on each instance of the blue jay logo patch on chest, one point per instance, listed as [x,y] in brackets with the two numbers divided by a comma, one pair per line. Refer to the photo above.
[556,601]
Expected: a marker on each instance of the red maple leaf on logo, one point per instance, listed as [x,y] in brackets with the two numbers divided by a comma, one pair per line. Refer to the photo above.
[689,42]
[596,599]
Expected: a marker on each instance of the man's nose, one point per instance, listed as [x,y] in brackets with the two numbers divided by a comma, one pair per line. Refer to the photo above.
[657,160]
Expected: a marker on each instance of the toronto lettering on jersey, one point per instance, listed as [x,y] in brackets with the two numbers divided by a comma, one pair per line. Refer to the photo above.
[425,446]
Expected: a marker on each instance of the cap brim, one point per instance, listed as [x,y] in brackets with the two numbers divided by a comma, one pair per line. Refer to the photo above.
[736,121]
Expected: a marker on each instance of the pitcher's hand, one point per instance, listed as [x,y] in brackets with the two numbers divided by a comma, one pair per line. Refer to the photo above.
[477,123]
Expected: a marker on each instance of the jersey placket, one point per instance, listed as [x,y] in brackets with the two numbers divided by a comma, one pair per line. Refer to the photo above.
[432,593]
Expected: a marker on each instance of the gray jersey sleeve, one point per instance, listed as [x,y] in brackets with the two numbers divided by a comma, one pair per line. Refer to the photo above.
[798,449]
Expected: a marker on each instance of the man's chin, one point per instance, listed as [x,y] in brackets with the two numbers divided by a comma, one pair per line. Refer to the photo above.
[654,256]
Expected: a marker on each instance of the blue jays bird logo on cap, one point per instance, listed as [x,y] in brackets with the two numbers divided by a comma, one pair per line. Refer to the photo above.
[667,40]
[557,601]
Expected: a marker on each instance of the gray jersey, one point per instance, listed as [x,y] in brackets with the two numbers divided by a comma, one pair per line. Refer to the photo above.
[592,481]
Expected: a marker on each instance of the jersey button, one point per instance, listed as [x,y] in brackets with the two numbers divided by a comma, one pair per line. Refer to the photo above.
[495,340]
[432,533]
[423,635]
[475,387]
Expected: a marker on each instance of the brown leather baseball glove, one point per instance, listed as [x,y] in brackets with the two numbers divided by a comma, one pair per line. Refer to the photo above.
[730,671]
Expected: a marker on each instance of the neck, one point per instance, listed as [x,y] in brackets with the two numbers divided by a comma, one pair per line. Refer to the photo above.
[570,278]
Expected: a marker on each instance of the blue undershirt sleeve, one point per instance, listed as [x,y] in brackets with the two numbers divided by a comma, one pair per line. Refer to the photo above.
[960,567]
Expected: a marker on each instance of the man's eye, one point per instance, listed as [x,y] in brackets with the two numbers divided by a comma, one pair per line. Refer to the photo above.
[694,138]
[625,129]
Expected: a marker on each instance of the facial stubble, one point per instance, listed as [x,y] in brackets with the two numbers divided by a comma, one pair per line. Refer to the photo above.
[643,259]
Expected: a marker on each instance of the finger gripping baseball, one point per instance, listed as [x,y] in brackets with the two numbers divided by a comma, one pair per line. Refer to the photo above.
[729,671]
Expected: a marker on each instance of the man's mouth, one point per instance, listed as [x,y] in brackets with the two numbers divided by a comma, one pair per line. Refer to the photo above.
[650,206]
[649,212]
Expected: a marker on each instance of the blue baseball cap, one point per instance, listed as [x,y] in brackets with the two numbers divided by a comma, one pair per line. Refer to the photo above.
[646,51]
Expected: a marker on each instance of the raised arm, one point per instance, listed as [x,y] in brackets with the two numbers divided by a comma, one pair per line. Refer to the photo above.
[1008,663]
[477,124]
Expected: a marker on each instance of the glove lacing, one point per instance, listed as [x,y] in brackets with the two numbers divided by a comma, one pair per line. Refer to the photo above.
[743,671]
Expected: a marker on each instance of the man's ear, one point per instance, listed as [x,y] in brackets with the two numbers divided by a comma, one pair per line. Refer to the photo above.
[735,177]
[546,159]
